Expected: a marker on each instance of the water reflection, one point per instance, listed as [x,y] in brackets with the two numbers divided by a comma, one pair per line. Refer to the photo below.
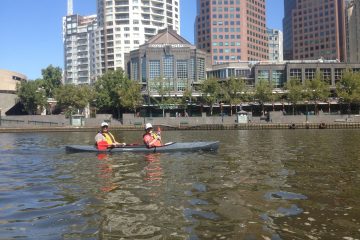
[106,173]
[153,169]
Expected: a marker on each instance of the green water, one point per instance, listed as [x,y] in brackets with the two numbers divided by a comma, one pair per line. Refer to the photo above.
[275,184]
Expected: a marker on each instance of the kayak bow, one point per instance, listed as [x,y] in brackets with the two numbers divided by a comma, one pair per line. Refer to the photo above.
[169,147]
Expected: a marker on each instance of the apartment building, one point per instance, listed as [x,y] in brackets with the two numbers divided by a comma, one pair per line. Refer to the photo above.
[127,24]
[275,45]
[232,30]
[79,53]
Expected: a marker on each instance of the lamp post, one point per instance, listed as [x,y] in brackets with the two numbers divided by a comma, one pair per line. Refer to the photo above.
[307,112]
[0,116]
[221,110]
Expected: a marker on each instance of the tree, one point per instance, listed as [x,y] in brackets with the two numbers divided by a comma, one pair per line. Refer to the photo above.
[210,92]
[263,93]
[317,90]
[72,97]
[107,91]
[31,95]
[130,95]
[51,79]
[294,92]
[187,98]
[163,88]
[234,91]
[348,89]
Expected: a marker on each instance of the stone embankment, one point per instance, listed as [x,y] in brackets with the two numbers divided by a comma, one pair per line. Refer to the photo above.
[275,120]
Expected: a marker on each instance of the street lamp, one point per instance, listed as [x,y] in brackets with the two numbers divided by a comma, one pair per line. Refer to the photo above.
[307,112]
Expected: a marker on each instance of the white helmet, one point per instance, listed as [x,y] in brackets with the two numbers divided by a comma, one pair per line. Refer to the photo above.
[148,125]
[103,124]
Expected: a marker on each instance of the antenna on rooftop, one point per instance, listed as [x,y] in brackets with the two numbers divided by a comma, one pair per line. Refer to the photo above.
[70,7]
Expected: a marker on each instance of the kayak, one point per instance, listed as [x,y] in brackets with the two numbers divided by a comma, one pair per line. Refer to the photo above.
[168,147]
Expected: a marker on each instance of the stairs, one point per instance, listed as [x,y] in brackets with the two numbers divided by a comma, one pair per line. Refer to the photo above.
[7,101]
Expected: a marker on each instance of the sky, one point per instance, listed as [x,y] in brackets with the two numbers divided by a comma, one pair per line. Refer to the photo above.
[31,30]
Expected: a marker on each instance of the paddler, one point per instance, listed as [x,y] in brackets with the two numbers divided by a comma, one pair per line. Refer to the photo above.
[151,139]
[105,138]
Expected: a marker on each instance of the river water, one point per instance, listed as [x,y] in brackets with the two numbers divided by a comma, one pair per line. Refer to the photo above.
[268,184]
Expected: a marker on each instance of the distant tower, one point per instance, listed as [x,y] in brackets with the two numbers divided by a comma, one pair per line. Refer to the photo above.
[70,7]
[314,29]
[232,31]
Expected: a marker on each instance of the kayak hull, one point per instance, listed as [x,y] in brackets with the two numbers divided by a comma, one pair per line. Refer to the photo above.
[170,147]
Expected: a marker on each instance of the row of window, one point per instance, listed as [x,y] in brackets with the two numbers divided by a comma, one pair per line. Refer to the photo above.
[185,69]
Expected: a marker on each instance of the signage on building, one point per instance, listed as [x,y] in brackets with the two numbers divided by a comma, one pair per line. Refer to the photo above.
[162,45]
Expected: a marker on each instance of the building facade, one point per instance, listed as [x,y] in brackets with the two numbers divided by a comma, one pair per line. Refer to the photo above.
[232,30]
[279,73]
[167,58]
[127,24]
[275,45]
[79,34]
[238,70]
[8,82]
[314,29]
[353,32]
[289,6]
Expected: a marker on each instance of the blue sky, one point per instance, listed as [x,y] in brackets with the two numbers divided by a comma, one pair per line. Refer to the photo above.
[31,30]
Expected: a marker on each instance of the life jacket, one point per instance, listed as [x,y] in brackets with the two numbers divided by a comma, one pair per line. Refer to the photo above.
[108,137]
[153,136]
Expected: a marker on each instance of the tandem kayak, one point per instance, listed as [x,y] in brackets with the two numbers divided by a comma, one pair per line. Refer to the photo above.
[168,147]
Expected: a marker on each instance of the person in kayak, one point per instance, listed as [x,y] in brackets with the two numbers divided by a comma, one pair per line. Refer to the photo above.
[151,139]
[105,138]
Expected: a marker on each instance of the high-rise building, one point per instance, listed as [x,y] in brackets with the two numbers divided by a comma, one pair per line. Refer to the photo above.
[232,30]
[275,45]
[79,53]
[353,32]
[289,6]
[126,24]
[314,29]
[79,56]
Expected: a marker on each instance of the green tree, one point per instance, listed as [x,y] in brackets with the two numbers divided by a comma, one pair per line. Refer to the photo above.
[107,91]
[295,92]
[72,97]
[263,93]
[348,88]
[234,92]
[31,95]
[187,98]
[163,88]
[51,79]
[211,91]
[130,95]
[317,90]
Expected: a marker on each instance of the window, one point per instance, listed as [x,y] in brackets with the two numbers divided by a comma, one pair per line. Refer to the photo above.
[295,73]
[182,69]
[168,67]
[154,69]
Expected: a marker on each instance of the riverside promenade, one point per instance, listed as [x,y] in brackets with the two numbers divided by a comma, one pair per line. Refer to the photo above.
[274,120]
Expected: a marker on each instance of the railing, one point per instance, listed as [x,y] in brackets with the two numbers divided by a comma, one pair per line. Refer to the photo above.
[12,121]
[43,123]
